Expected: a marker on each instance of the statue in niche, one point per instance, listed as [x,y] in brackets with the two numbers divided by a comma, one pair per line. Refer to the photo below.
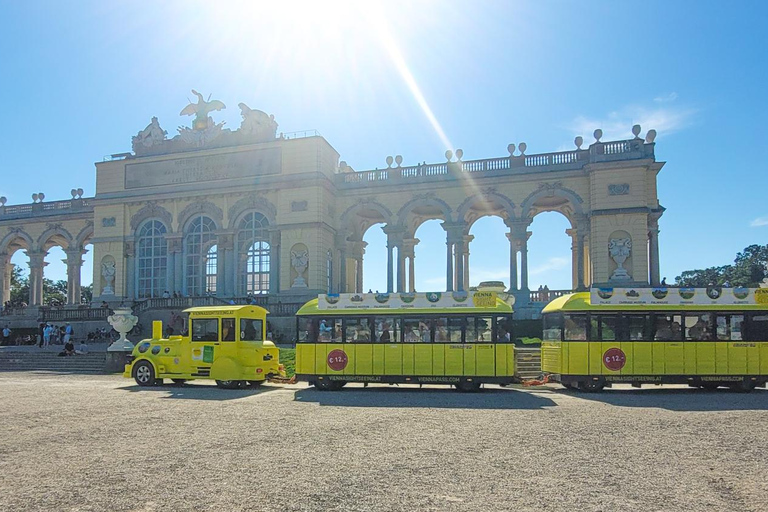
[108,273]
[620,249]
[150,136]
[299,262]
[257,123]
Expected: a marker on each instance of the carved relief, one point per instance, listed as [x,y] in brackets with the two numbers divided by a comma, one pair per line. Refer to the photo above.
[618,189]
[149,211]
[299,206]
[250,203]
[108,222]
[620,249]
[299,265]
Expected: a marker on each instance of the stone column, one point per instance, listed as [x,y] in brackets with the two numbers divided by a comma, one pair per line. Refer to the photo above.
[224,247]
[467,240]
[5,278]
[582,230]
[512,262]
[394,240]
[130,270]
[275,238]
[520,235]
[449,267]
[653,256]
[175,264]
[356,251]
[74,262]
[340,242]
[389,268]
[409,253]
[36,265]
[459,266]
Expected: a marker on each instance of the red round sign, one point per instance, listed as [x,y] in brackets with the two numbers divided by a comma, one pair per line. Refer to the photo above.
[337,360]
[614,359]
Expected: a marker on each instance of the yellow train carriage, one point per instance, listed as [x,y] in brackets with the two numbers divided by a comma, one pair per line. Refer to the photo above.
[440,338]
[716,342]
[227,344]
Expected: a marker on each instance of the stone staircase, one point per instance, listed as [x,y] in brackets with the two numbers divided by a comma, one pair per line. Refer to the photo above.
[25,361]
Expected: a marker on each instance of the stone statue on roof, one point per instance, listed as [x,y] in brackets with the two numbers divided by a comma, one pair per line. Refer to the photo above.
[201,109]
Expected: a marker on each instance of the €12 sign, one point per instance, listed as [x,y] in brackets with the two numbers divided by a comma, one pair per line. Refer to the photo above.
[337,360]
[614,359]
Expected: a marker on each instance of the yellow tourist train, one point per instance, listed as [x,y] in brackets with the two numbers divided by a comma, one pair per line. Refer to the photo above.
[226,343]
[701,337]
[462,339]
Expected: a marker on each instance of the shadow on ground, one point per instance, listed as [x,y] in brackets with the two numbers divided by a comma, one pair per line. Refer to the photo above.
[439,398]
[199,391]
[678,399]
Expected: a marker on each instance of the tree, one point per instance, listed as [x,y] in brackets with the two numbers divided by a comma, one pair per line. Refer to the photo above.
[748,269]
[54,292]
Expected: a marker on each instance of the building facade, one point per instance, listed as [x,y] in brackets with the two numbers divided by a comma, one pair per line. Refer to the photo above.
[232,213]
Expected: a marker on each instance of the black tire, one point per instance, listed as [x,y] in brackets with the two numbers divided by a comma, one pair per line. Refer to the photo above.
[466,386]
[336,386]
[744,386]
[255,383]
[592,386]
[179,382]
[323,385]
[144,373]
[228,384]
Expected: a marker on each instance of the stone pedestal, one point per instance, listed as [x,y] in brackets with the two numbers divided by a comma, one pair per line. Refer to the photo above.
[116,361]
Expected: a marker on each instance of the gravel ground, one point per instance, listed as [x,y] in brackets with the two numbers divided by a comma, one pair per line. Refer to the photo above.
[100,443]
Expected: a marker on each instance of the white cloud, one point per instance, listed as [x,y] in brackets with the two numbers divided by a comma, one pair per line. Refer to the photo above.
[617,125]
[759,222]
[666,98]
[550,265]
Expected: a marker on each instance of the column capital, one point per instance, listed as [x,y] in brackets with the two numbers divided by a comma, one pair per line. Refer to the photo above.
[455,231]
[409,247]
[225,239]
[519,228]
[395,234]
[37,259]
[275,236]
[174,241]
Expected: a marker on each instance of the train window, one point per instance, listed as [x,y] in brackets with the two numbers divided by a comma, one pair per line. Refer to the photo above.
[666,328]
[698,327]
[307,330]
[416,330]
[358,330]
[575,327]
[609,328]
[483,329]
[329,330]
[553,325]
[205,329]
[758,328]
[635,325]
[387,329]
[251,329]
[504,333]
[455,327]
[227,329]
[728,327]
[441,330]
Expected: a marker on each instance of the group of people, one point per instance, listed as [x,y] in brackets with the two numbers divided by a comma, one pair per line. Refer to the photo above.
[55,334]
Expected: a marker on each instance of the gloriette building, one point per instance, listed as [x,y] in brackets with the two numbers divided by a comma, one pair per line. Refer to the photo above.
[219,214]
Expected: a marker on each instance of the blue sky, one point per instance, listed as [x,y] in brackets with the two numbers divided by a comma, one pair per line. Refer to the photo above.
[410,78]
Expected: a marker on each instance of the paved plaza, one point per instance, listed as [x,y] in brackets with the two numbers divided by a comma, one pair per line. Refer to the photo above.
[101,443]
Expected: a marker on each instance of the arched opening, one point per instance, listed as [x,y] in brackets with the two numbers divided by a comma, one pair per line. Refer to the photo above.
[18,284]
[374,259]
[151,259]
[55,277]
[488,252]
[253,251]
[198,238]
[551,261]
[430,256]
[257,268]
[86,275]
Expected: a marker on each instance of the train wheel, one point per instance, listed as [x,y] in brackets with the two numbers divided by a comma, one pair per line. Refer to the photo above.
[228,384]
[144,374]
[744,386]
[468,386]
[592,386]
[255,383]
[179,382]
[323,385]
[336,386]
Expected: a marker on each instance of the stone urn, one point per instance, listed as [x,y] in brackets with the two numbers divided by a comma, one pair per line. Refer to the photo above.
[122,320]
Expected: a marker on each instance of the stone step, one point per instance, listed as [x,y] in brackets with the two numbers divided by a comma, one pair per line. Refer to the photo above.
[21,361]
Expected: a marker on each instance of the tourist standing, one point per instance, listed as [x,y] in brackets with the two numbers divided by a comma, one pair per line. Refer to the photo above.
[68,332]
[6,335]
[47,335]
[40,334]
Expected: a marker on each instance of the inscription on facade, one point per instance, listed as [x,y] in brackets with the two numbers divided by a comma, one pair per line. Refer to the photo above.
[618,189]
[229,166]
[108,222]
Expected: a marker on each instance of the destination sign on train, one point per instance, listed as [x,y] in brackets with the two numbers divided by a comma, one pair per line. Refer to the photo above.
[670,295]
[431,300]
